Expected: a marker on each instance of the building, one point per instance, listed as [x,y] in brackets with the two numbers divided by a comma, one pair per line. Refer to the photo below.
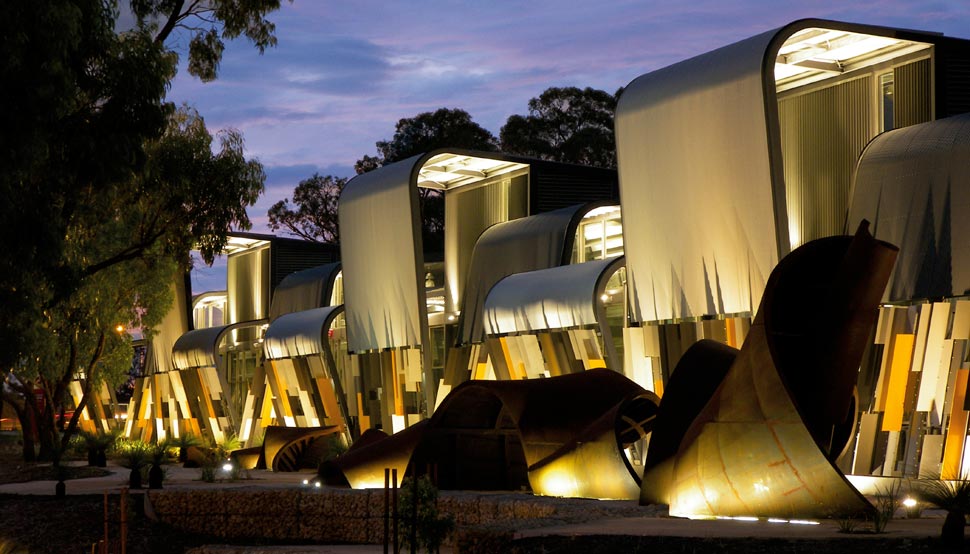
[730,161]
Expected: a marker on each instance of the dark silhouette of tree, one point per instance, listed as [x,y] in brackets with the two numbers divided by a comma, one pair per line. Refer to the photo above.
[427,131]
[567,124]
[113,185]
[209,23]
[315,214]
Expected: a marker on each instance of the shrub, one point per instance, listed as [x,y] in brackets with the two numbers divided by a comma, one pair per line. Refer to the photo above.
[954,497]
[418,515]
[887,501]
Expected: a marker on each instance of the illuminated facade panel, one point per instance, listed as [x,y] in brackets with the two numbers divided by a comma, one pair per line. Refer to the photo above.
[555,298]
[379,222]
[738,155]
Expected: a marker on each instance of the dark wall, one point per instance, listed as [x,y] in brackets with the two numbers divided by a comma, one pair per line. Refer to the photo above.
[553,186]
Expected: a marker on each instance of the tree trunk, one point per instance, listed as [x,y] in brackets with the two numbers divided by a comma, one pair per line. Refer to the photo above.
[953,527]
[155,476]
[27,426]
[134,478]
[82,405]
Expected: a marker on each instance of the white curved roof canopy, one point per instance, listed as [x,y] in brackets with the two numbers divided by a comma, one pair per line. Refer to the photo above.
[700,164]
[555,298]
[536,242]
[304,290]
[380,246]
[299,333]
[200,347]
[913,184]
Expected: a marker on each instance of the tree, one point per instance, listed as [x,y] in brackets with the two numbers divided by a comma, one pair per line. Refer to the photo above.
[125,247]
[427,131]
[565,125]
[106,176]
[315,216]
[208,22]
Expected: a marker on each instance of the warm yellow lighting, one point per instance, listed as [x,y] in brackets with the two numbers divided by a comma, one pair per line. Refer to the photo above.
[119,328]
[227,467]
[738,518]
[316,484]
[910,502]
[556,484]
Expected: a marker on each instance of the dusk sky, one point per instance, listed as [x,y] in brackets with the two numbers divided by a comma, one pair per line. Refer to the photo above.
[345,72]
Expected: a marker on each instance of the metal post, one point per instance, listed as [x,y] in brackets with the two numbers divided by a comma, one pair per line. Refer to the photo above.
[104,546]
[124,520]
[397,547]
[414,513]
[387,507]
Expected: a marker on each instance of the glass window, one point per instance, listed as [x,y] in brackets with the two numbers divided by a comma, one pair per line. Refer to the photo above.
[887,88]
[600,235]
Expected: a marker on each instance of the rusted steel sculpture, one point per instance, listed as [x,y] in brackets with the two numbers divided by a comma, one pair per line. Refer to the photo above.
[777,415]
[562,436]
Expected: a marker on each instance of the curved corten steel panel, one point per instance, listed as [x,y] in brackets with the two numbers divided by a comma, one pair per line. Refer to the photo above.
[362,467]
[503,435]
[594,465]
[695,379]
[762,445]
[284,446]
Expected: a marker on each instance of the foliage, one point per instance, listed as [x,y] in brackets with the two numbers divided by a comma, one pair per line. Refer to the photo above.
[133,454]
[887,501]
[80,102]
[427,131]
[113,185]
[315,215]
[952,496]
[196,195]
[208,24]
[186,440]
[428,526]
[336,446]
[225,447]
[158,453]
[208,472]
[565,124]
[945,494]
[847,524]
[99,440]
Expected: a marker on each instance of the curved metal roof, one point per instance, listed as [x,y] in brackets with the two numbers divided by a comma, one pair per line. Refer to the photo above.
[699,155]
[200,347]
[304,290]
[554,298]
[536,242]
[299,333]
[914,185]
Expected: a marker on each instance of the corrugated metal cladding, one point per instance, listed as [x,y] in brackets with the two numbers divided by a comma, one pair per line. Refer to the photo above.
[952,77]
[552,188]
[913,94]
[288,257]
[822,134]
[480,208]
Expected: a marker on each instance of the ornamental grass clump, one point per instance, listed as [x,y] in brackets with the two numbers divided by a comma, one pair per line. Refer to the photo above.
[134,455]
[954,497]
